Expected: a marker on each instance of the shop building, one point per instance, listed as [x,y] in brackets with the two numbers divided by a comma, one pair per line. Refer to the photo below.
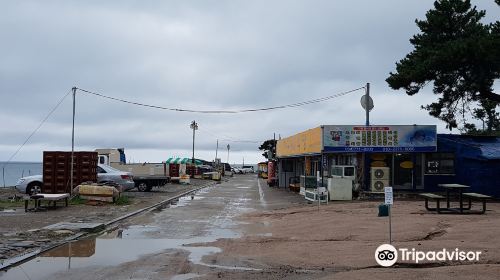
[406,157]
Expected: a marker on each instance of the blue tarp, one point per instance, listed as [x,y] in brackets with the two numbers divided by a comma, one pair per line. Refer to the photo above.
[473,147]
[477,163]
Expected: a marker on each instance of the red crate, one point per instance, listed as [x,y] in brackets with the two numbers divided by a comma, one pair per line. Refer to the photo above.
[57,170]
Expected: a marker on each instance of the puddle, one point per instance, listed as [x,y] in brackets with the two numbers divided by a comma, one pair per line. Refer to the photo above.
[130,243]
[183,201]
[102,252]
[133,232]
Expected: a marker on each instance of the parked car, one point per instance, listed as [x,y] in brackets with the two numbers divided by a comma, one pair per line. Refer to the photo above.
[228,170]
[105,174]
[247,169]
[236,170]
[205,168]
[30,184]
[108,174]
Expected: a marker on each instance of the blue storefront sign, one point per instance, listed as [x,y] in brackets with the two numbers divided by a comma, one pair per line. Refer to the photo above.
[380,138]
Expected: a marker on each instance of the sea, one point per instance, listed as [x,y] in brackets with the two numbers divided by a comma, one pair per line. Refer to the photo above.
[12,171]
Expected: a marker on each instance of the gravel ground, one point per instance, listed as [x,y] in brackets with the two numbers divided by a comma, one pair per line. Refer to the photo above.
[21,232]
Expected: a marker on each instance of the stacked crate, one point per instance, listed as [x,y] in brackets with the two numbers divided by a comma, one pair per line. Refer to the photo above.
[192,170]
[173,170]
[57,170]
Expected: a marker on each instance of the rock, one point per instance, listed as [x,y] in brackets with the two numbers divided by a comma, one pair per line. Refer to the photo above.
[15,239]
[24,244]
[44,240]
[63,232]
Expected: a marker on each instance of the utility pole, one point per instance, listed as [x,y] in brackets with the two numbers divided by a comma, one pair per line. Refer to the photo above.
[194,127]
[72,143]
[367,111]
[367,107]
[216,149]
[228,153]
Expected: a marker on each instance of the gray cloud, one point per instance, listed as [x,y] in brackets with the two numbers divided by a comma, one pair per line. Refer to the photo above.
[202,55]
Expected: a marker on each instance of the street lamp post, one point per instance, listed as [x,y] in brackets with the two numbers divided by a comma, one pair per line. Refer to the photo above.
[228,153]
[194,127]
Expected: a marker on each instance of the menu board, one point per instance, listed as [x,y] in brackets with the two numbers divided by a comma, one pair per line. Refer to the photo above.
[385,138]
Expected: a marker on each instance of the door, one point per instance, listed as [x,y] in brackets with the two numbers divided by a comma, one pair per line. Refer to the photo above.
[402,171]
[418,171]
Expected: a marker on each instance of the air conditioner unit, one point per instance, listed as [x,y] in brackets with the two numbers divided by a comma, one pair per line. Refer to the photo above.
[380,173]
[378,185]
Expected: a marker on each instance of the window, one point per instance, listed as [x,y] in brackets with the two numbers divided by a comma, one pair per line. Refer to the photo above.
[100,170]
[440,163]
[287,166]
[349,171]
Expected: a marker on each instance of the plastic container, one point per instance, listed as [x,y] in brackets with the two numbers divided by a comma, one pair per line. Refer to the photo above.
[383,210]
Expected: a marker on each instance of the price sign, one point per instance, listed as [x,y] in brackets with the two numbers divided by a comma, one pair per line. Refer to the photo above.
[388,195]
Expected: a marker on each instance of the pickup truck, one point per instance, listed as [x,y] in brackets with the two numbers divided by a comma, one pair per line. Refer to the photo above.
[145,175]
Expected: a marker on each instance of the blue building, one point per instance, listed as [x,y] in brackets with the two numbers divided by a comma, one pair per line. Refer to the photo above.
[467,160]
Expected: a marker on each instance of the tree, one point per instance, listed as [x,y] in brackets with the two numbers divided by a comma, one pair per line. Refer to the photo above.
[460,55]
[269,145]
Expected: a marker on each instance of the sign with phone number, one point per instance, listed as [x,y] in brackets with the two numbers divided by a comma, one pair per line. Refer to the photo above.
[385,138]
[380,149]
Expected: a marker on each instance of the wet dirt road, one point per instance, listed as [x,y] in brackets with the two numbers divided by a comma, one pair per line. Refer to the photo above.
[166,243]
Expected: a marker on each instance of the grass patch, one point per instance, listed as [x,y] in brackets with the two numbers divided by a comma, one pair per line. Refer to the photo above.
[123,200]
[77,201]
[7,204]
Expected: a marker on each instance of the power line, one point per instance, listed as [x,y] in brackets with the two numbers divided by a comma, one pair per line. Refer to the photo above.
[36,129]
[312,101]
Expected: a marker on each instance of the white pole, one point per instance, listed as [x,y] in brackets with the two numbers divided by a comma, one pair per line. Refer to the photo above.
[390,226]
[216,149]
[72,143]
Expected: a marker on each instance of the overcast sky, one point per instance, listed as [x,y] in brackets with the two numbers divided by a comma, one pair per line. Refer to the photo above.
[202,55]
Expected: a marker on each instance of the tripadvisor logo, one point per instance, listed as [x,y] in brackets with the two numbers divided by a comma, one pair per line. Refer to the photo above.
[387,255]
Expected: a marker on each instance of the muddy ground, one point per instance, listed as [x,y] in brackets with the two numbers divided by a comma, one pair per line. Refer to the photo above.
[21,232]
[340,239]
[243,229]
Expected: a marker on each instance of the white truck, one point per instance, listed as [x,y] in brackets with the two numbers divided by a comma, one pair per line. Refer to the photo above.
[145,175]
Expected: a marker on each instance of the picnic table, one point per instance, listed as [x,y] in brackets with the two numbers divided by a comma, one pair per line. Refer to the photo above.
[49,197]
[456,188]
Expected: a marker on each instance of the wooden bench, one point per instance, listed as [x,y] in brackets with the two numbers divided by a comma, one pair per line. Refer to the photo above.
[477,196]
[432,196]
[38,198]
